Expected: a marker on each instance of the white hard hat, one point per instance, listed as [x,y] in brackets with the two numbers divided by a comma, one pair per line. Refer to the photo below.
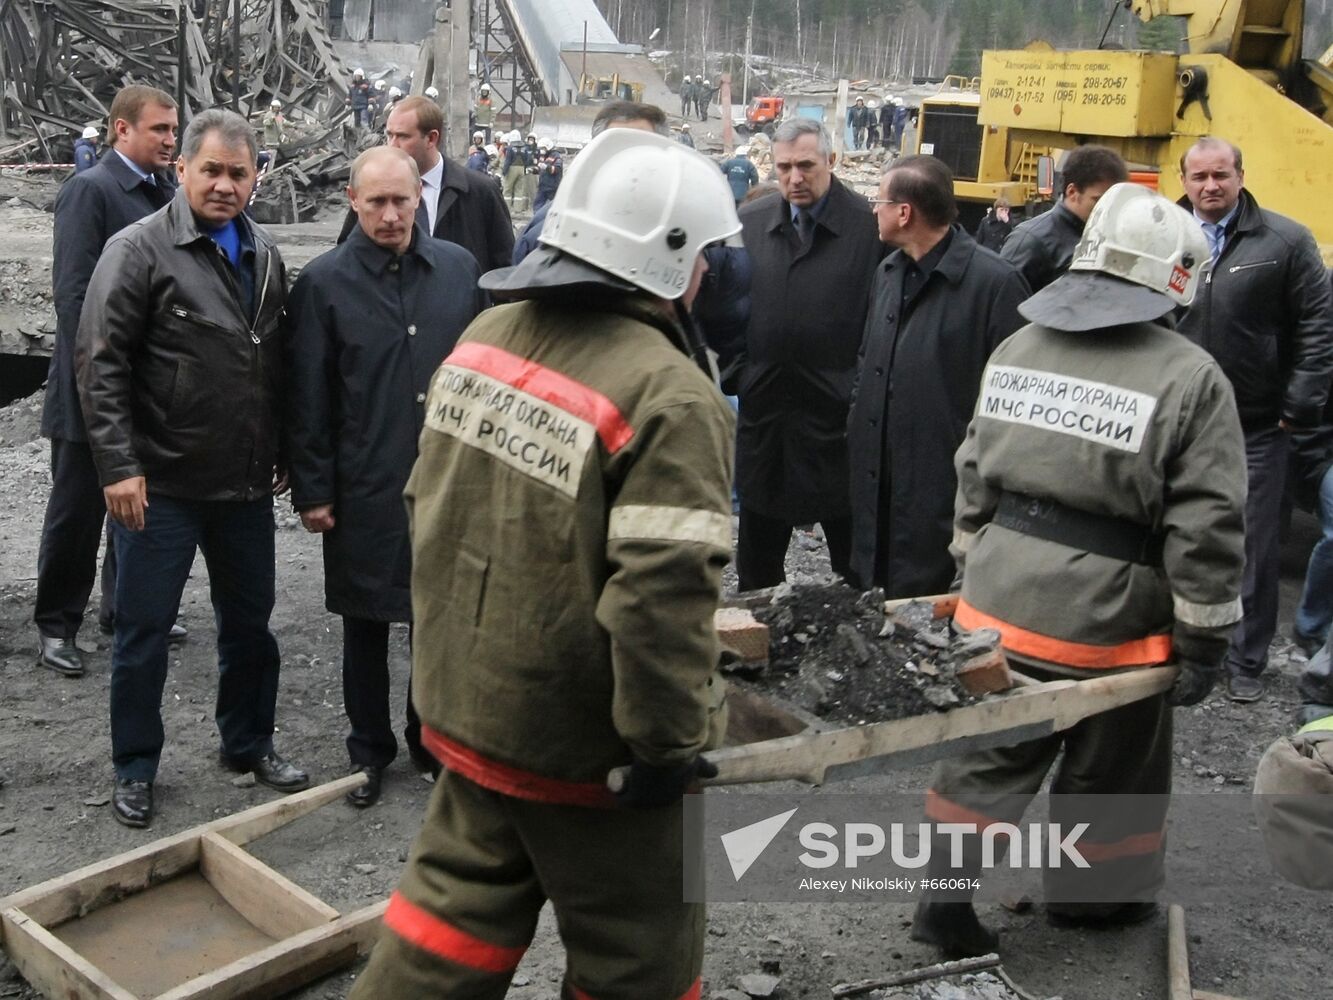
[684,126]
[395,92]
[90,132]
[641,207]
[514,136]
[380,84]
[1140,256]
[358,72]
[478,136]
[545,143]
[742,151]
[432,93]
[688,78]
[707,82]
[485,86]
[275,103]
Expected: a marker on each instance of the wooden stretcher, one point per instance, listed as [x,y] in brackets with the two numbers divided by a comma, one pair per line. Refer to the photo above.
[777,743]
[189,917]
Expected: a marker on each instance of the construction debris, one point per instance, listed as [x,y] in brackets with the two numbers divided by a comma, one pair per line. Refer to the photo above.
[837,653]
[66,59]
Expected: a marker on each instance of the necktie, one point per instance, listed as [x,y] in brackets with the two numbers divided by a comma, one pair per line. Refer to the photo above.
[423,214]
[1216,235]
[805,226]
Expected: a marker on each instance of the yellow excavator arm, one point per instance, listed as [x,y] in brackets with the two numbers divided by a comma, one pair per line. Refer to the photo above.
[1262,36]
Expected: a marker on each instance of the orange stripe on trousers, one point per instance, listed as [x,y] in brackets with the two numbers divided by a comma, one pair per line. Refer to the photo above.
[428,932]
[1147,651]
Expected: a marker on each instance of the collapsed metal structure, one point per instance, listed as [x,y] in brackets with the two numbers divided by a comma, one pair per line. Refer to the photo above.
[62,61]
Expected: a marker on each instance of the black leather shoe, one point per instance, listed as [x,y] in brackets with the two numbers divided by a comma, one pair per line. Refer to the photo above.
[132,803]
[270,770]
[369,793]
[178,633]
[953,927]
[60,655]
[423,760]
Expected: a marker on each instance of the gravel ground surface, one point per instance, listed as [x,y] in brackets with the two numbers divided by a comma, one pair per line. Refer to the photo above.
[1255,937]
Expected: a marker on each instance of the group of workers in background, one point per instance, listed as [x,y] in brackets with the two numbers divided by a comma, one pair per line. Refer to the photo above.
[524,452]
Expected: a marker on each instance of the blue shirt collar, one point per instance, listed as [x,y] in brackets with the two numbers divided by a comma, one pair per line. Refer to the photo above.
[815,210]
[144,175]
[1222,222]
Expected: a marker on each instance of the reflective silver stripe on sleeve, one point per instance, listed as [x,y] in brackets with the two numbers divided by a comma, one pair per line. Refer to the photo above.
[1206,615]
[962,540]
[670,524]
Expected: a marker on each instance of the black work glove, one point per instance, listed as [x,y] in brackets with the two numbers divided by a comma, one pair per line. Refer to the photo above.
[1193,683]
[651,786]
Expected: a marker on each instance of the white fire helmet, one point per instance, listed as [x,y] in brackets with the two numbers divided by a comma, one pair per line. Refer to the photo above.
[1140,256]
[432,93]
[395,93]
[707,82]
[688,78]
[275,103]
[485,88]
[358,73]
[380,84]
[513,136]
[545,144]
[641,207]
[478,137]
[90,132]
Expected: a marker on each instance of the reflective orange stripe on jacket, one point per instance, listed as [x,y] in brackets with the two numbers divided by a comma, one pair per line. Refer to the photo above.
[1135,653]
[693,993]
[513,781]
[428,932]
[545,383]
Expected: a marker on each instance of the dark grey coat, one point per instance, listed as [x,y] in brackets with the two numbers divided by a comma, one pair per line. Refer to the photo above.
[368,330]
[807,312]
[919,375]
[91,207]
[1043,247]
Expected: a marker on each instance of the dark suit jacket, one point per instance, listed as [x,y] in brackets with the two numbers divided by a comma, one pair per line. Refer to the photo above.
[471,213]
[91,208]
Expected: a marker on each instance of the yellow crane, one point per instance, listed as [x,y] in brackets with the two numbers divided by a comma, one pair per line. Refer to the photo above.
[1243,79]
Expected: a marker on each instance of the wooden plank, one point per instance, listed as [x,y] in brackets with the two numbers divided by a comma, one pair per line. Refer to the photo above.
[273,903]
[50,965]
[70,896]
[1177,955]
[1055,705]
[66,896]
[290,963]
[254,823]
[1205,995]
[944,605]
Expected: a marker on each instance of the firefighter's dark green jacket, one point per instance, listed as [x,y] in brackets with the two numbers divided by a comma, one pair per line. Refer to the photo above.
[1132,423]
[571,517]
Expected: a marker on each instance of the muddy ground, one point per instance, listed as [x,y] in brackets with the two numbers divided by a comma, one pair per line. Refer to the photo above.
[1256,938]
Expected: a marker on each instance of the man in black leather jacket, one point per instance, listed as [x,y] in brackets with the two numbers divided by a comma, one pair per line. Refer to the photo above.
[178,361]
[1043,246]
[1266,314]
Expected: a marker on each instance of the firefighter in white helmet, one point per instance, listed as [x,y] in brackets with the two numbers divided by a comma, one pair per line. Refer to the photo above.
[360,100]
[1098,527]
[571,516]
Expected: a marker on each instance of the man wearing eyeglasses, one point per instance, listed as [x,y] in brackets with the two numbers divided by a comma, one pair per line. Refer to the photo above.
[940,305]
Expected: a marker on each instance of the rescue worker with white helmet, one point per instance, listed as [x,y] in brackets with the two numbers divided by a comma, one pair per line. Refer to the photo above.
[360,100]
[686,95]
[570,515]
[1098,526]
[483,113]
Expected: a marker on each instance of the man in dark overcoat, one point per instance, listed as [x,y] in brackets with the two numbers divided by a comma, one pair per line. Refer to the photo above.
[456,204]
[128,183]
[371,320]
[813,254]
[940,305]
